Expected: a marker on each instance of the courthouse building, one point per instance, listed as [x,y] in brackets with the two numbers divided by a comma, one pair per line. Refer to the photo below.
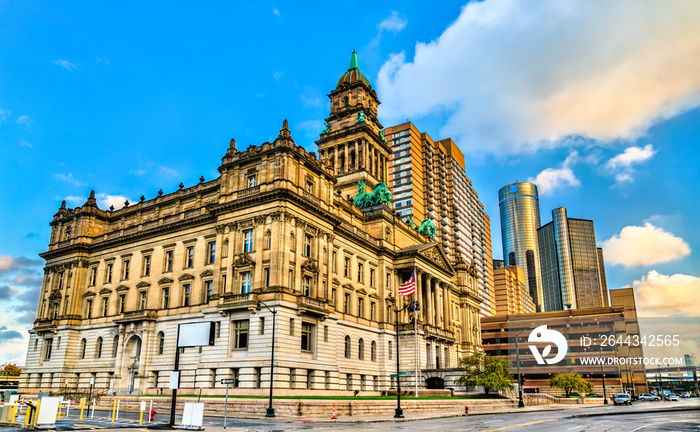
[277,226]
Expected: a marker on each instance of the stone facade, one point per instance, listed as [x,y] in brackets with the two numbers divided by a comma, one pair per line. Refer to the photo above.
[271,228]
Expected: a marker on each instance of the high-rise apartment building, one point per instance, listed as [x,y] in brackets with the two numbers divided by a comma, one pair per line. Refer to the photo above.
[428,179]
[512,296]
[573,273]
[520,217]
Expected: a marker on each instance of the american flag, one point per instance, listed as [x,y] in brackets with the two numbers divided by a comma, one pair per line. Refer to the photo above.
[409,287]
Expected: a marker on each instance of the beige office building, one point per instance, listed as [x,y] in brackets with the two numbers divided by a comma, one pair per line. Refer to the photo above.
[274,227]
[512,295]
[428,178]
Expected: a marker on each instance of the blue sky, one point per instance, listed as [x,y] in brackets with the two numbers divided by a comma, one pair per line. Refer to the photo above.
[596,102]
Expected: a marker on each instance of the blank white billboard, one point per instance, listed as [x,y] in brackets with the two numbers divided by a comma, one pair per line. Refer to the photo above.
[196,334]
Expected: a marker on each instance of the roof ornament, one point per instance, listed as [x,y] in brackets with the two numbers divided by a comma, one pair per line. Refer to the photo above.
[361,117]
[201,179]
[326,128]
[381,136]
[91,200]
[160,192]
[284,135]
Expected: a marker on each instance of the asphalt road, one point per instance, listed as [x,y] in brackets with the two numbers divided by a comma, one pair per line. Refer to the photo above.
[623,418]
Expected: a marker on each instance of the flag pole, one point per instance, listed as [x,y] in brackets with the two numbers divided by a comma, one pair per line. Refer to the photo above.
[415,329]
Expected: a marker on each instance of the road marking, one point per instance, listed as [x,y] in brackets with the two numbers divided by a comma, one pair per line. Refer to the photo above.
[518,425]
[656,424]
[575,427]
[91,426]
[493,421]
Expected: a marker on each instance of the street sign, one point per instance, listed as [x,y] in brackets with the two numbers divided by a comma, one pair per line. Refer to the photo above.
[400,373]
[228,381]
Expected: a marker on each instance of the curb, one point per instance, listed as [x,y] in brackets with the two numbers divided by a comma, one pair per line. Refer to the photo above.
[658,410]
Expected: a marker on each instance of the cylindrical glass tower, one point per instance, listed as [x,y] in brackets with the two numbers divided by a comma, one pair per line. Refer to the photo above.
[520,217]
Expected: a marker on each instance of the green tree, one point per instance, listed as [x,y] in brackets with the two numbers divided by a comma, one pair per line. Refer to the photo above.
[570,382]
[487,372]
[10,369]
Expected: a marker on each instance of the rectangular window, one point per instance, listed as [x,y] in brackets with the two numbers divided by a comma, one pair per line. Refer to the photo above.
[360,272]
[291,279]
[146,270]
[49,346]
[125,269]
[325,333]
[371,277]
[306,335]
[252,181]
[166,298]
[93,276]
[108,273]
[105,302]
[211,252]
[60,280]
[334,264]
[388,279]
[248,241]
[122,303]
[240,334]
[223,283]
[88,309]
[360,307]
[168,266]
[266,276]
[373,311]
[346,303]
[347,267]
[55,310]
[143,301]
[307,245]
[245,282]
[307,286]
[291,326]
[261,326]
[189,257]
[186,294]
[66,305]
[208,290]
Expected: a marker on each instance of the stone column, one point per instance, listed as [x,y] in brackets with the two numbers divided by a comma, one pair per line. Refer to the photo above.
[335,159]
[357,157]
[429,299]
[436,304]
[446,306]
[346,158]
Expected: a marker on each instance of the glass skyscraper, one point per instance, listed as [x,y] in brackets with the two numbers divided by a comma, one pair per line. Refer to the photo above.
[520,217]
[573,273]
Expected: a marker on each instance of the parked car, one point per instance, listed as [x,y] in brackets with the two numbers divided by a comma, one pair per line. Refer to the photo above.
[574,394]
[622,399]
[685,395]
[648,397]
[594,395]
[672,397]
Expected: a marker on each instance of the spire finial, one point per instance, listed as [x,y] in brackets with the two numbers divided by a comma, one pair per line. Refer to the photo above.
[285,125]
[91,199]
[353,61]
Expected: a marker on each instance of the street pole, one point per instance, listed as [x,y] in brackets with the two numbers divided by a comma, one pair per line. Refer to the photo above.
[270,409]
[521,404]
[226,406]
[605,394]
[177,366]
[399,411]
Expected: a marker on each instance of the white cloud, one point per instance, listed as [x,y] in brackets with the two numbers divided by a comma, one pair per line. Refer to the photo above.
[663,295]
[167,171]
[276,11]
[393,23]
[103,60]
[104,201]
[65,64]
[24,120]
[278,75]
[551,179]
[68,178]
[516,76]
[4,114]
[644,245]
[75,199]
[622,165]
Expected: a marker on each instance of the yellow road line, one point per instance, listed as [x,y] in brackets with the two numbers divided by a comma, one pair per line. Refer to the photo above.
[85,425]
[517,425]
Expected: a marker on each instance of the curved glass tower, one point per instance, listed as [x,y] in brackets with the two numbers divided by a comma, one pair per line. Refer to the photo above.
[520,217]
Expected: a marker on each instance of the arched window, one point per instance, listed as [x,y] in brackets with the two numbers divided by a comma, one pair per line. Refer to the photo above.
[115,346]
[161,343]
[292,243]
[83,344]
[373,352]
[267,243]
[347,347]
[346,101]
[361,349]
[98,348]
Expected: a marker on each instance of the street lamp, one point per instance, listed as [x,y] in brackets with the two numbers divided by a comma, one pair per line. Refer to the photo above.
[270,409]
[521,404]
[398,411]
[605,394]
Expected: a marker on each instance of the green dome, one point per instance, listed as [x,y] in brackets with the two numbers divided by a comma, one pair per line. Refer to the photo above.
[353,74]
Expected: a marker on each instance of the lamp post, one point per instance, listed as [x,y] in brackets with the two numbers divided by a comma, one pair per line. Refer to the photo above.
[270,409]
[605,393]
[398,412]
[521,404]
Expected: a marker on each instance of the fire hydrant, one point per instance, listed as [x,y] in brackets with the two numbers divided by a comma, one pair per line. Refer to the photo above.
[466,409]
[153,413]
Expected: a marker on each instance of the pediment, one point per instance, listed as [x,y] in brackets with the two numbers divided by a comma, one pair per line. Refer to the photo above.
[185,277]
[310,265]
[143,284]
[434,253]
[122,288]
[104,291]
[374,296]
[89,294]
[362,291]
[207,273]
[165,280]
[349,286]
[242,260]
[335,281]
